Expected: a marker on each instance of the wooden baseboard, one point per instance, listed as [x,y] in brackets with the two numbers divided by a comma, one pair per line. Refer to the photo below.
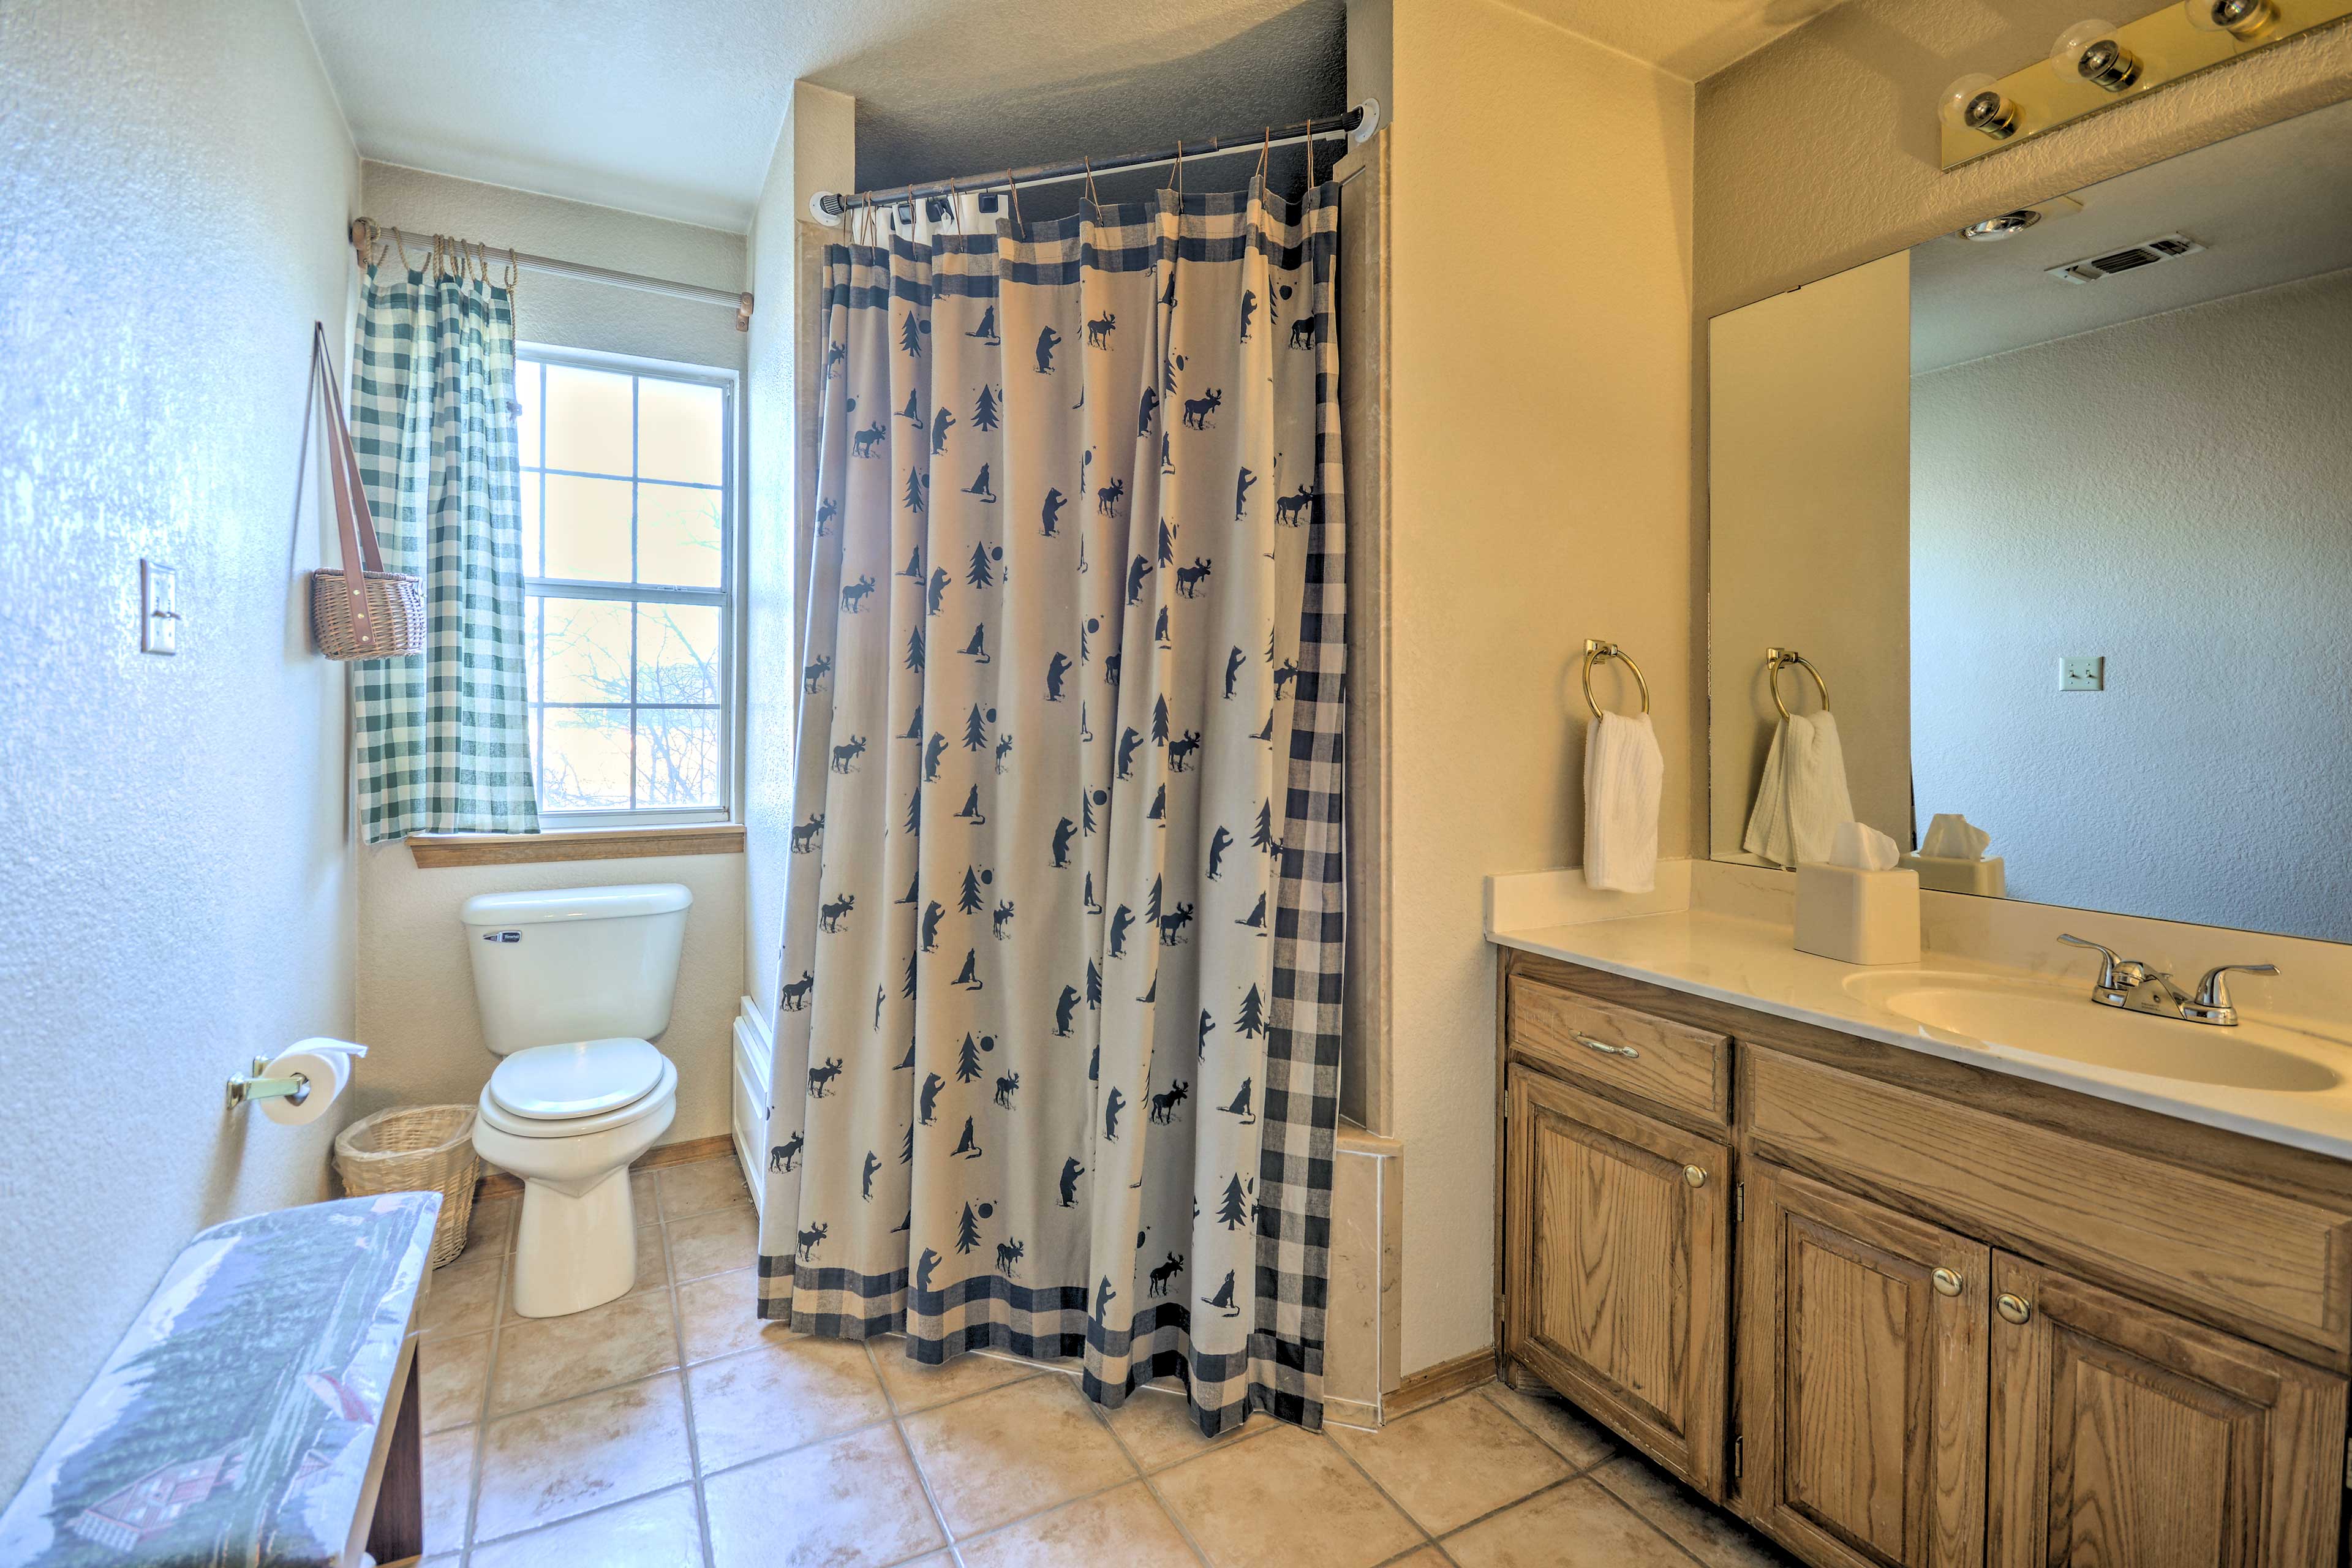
[499,1184]
[1443,1380]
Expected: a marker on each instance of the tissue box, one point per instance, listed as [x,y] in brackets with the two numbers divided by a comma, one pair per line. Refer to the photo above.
[1858,917]
[1944,874]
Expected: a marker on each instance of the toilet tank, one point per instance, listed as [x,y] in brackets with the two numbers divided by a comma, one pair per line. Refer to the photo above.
[575,963]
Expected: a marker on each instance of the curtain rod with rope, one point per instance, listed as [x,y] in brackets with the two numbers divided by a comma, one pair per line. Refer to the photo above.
[1356,124]
[365,235]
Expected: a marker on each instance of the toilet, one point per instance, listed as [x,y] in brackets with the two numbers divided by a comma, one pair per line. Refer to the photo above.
[573,985]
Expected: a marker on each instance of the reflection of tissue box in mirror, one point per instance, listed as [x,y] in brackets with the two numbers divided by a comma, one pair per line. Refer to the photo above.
[1858,917]
[1942,874]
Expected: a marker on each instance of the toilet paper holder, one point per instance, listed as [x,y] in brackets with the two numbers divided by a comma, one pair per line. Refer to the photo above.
[246,1088]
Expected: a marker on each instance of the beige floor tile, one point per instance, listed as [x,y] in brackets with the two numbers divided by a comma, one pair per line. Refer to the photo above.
[1574,1435]
[463,1298]
[490,1227]
[450,1373]
[641,1197]
[780,1396]
[1157,1428]
[706,1184]
[1123,1528]
[714,1243]
[659,1531]
[448,1481]
[1012,1452]
[1286,1499]
[564,1459]
[1713,1537]
[849,1503]
[1427,1557]
[1575,1526]
[1452,1462]
[914,1387]
[719,1316]
[541,1360]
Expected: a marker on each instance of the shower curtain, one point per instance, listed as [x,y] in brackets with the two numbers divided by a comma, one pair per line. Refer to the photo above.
[1056,1049]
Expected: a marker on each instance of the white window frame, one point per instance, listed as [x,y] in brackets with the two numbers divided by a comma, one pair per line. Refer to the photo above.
[723,597]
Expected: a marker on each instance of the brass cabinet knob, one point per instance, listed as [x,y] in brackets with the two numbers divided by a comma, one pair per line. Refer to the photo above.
[2014,1307]
[1946,1282]
[1694,1175]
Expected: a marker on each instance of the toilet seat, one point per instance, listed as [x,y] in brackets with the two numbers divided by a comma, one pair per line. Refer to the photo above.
[571,1090]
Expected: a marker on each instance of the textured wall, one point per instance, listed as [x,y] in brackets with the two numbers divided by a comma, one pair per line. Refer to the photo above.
[812,154]
[1540,470]
[416,988]
[2194,465]
[176,892]
[573,312]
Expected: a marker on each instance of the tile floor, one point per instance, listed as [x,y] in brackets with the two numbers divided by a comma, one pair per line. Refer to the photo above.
[670,1429]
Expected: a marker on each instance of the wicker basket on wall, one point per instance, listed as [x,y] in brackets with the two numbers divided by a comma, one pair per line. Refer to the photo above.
[358,610]
[418,1149]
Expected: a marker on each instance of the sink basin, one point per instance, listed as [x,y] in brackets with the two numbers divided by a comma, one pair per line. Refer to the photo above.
[2048,1021]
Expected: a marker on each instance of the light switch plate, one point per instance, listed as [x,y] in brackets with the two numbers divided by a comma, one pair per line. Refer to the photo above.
[2083,672]
[159,608]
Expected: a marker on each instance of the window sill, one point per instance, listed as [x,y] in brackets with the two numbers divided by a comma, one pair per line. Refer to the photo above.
[434,851]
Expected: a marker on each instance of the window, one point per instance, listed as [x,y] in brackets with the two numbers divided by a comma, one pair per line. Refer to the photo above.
[628,534]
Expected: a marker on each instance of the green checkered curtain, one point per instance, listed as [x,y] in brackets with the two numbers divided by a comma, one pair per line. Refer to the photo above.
[444,736]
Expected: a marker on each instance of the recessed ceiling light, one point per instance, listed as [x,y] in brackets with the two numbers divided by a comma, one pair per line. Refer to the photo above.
[2007,226]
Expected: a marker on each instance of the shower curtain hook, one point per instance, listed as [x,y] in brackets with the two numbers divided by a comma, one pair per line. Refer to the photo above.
[1013,189]
[1180,166]
[1264,151]
[1093,199]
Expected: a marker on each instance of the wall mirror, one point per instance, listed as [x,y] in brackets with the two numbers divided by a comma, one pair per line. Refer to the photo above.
[2059,517]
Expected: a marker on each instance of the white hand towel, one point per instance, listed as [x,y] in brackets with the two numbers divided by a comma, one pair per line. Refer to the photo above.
[1803,794]
[1624,774]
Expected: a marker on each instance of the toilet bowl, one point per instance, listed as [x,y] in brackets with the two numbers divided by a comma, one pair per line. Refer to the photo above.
[572,984]
[568,1120]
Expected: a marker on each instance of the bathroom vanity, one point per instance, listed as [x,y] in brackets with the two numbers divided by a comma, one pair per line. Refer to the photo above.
[1893,1305]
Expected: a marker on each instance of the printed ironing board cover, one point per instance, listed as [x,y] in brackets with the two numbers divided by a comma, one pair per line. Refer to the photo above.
[235,1422]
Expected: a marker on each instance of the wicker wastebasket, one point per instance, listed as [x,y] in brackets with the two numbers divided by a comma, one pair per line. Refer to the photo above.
[418,1149]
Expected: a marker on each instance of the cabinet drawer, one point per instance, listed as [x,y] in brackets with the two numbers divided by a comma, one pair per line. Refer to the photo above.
[2272,1268]
[1600,1042]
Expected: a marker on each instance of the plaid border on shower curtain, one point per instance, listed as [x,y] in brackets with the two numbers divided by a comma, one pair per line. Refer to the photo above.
[1302,1057]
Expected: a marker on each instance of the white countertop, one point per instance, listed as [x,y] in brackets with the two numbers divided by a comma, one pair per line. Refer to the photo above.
[1751,964]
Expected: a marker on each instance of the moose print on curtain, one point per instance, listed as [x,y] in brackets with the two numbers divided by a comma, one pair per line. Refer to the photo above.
[1058,1046]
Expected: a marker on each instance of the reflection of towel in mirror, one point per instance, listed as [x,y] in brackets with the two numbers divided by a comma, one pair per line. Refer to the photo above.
[1803,794]
[1623,775]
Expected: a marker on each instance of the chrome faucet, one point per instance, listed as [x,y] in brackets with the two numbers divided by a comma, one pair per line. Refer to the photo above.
[2131,985]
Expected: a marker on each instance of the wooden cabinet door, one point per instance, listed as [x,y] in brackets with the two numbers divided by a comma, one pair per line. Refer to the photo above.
[1617,1269]
[2122,1434]
[1863,1378]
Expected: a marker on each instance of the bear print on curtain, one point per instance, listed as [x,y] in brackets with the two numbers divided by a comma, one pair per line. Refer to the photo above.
[1057,1043]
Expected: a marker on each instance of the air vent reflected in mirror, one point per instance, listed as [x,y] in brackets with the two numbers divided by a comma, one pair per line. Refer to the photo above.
[2130,258]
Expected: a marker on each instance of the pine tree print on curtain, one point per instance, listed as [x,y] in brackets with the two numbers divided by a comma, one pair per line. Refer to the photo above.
[1056,1049]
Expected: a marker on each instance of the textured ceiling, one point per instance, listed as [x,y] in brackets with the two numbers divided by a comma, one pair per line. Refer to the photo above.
[1688,38]
[2270,207]
[672,108]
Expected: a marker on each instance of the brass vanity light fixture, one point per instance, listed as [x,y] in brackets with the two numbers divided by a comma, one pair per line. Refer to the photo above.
[2088,51]
[1975,102]
[2096,64]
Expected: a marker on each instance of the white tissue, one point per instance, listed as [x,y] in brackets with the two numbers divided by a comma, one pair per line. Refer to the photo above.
[1863,848]
[1951,836]
[326,1063]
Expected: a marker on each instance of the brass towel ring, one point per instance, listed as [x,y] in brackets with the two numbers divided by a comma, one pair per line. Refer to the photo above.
[1595,648]
[1776,660]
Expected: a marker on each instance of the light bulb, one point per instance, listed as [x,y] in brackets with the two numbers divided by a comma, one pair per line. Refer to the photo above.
[2089,51]
[2239,18]
[1975,103]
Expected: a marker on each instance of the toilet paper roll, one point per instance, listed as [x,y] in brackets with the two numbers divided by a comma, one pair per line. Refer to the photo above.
[326,1063]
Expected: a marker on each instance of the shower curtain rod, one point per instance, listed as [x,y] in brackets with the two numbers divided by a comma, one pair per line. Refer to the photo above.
[366,234]
[1356,124]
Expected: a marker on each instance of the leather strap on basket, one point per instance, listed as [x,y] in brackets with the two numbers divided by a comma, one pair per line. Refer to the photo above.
[352,520]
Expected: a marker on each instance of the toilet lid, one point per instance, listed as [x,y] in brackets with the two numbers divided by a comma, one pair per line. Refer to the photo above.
[554,1083]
